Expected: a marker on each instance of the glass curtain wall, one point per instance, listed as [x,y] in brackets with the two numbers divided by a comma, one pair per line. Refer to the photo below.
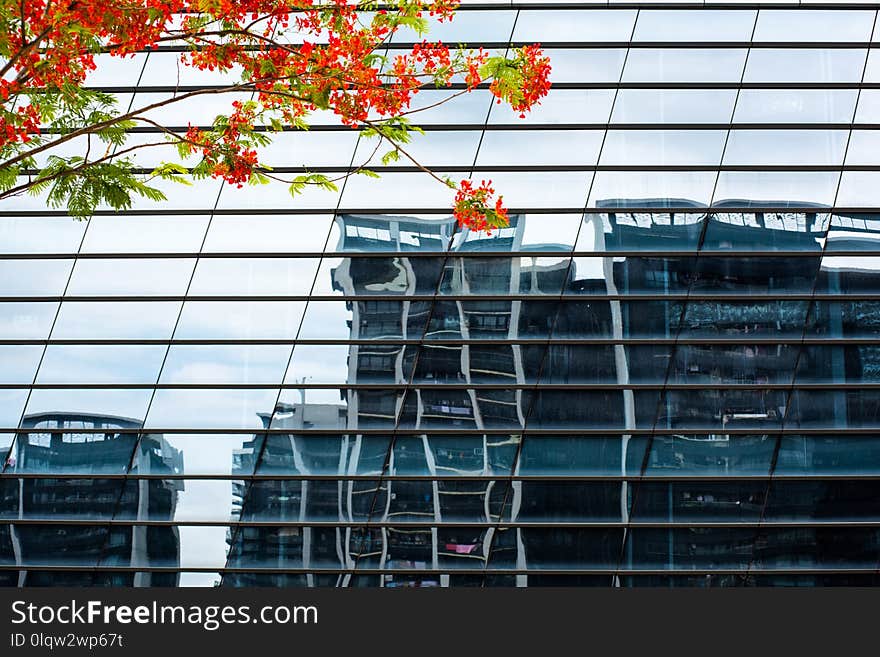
[664,372]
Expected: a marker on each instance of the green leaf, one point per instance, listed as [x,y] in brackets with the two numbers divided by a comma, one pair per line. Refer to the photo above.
[298,185]
[368,173]
[8,177]
[391,156]
[321,99]
[258,178]
[172,171]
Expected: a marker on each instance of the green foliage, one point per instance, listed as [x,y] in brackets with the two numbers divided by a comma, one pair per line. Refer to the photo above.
[391,156]
[397,130]
[171,171]
[82,186]
[298,186]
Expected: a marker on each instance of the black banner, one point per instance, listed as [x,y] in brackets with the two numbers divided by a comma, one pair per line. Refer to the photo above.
[454,622]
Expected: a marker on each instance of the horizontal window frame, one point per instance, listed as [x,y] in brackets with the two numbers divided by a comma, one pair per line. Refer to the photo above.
[433,387]
[574,478]
[561,524]
[749,571]
[560,297]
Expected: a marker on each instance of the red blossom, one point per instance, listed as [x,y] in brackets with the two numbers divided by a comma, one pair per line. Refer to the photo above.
[477,208]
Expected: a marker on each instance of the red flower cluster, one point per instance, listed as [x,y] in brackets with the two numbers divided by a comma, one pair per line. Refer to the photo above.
[534,67]
[223,150]
[477,208]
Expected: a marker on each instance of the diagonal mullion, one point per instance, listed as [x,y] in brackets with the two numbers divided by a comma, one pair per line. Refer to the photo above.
[385,470]
[811,307]
[536,388]
[19,436]
[265,435]
[626,541]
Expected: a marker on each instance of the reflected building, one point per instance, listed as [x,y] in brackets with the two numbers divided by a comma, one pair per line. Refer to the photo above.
[624,392]
[73,468]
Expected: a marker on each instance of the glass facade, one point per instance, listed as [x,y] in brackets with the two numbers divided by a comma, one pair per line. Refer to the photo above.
[664,372]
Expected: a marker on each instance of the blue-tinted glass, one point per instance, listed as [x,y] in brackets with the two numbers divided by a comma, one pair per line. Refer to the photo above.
[831,454]
[712,455]
[40,234]
[574,25]
[847,319]
[18,363]
[733,363]
[103,364]
[672,25]
[116,320]
[632,230]
[24,320]
[828,25]
[675,106]
[831,408]
[816,547]
[766,231]
[653,189]
[230,408]
[853,232]
[303,233]
[140,277]
[580,455]
[663,148]
[795,105]
[194,364]
[791,147]
[684,65]
[805,65]
[161,234]
[240,320]
[110,403]
[24,278]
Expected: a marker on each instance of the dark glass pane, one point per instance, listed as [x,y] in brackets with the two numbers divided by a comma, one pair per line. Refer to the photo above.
[844,319]
[823,501]
[561,502]
[582,317]
[731,408]
[689,548]
[559,548]
[835,408]
[632,275]
[817,547]
[693,501]
[284,546]
[734,363]
[744,319]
